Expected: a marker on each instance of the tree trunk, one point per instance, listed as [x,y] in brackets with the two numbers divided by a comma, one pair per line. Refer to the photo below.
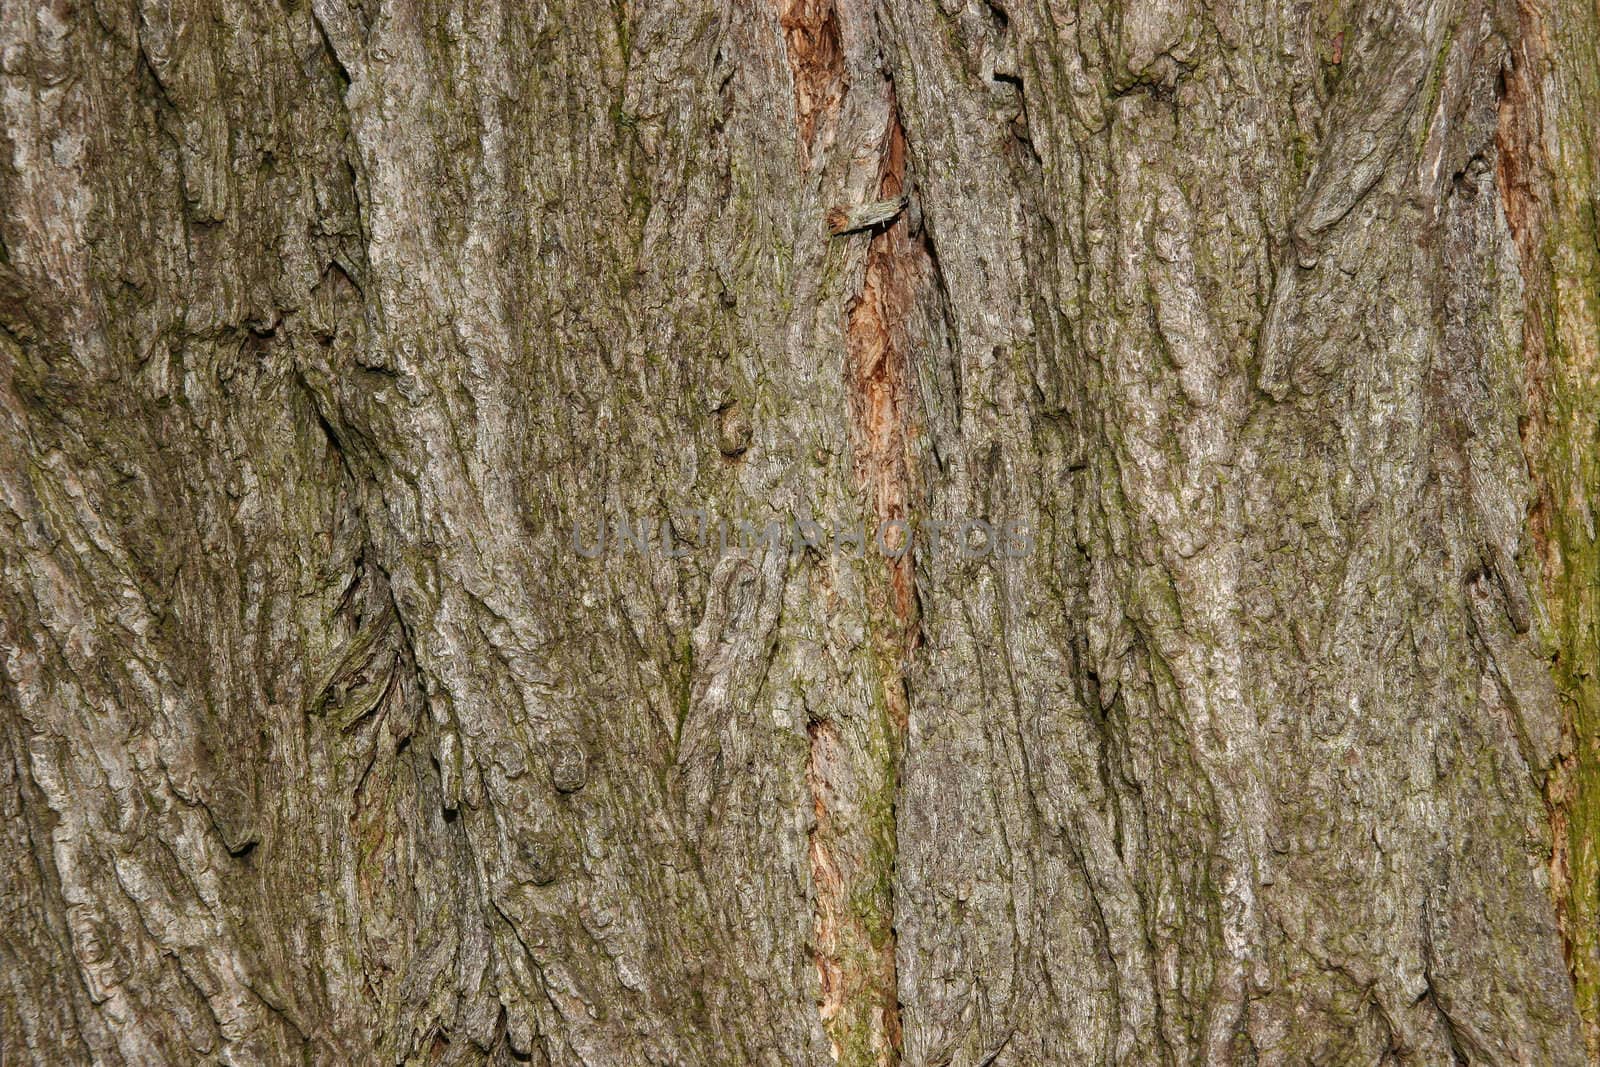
[381,379]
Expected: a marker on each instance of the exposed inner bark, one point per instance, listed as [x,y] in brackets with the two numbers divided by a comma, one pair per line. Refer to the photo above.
[882,397]
[851,851]
[1555,239]
[811,36]
[857,962]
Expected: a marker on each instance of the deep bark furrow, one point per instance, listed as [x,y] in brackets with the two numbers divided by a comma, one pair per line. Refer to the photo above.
[1545,163]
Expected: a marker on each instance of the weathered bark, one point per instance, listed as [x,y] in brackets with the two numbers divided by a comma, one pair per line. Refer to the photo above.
[324,326]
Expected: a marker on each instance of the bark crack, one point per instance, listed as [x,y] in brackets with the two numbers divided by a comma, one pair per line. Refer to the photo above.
[852,769]
[855,946]
[1557,334]
[880,381]
[816,61]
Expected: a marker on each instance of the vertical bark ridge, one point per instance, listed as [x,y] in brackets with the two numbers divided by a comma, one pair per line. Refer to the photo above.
[881,391]
[1548,170]
[845,961]
[853,794]
[877,367]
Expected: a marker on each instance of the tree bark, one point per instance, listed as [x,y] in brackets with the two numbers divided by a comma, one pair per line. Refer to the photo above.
[334,335]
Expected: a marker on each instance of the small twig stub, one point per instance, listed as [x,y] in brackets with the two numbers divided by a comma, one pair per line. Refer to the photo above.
[842,220]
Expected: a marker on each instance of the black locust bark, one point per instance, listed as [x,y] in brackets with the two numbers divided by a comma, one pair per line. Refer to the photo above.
[791,531]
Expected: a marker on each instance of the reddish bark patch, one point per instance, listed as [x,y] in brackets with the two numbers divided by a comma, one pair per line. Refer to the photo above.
[816,61]
[1519,164]
[878,368]
[854,945]
[1523,175]
[879,380]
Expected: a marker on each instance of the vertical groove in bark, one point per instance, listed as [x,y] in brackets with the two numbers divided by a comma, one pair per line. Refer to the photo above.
[816,62]
[1548,170]
[851,843]
[845,961]
[882,398]
[877,369]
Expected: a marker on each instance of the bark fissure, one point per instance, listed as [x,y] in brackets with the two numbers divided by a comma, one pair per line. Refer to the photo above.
[882,397]
[816,62]
[880,386]
[1542,195]
[852,785]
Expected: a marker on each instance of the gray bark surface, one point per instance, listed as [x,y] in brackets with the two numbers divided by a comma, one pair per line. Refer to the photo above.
[323,324]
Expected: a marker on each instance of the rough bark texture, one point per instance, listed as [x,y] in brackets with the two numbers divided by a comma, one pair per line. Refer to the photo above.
[322,325]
